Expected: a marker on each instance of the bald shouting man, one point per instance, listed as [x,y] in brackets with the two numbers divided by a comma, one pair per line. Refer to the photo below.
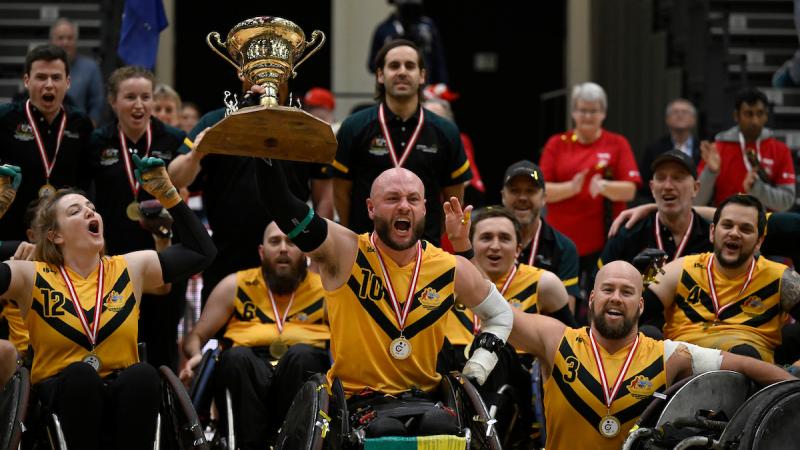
[388,295]
[599,379]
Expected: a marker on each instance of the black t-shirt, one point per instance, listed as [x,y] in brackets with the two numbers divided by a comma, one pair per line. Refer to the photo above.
[236,214]
[555,253]
[113,190]
[627,243]
[438,159]
[18,147]
[783,236]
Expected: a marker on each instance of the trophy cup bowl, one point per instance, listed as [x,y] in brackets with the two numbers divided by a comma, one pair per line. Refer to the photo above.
[267,51]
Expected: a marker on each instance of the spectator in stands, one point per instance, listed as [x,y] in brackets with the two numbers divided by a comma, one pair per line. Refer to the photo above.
[408,22]
[47,140]
[86,89]
[475,191]
[397,133]
[681,119]
[788,75]
[320,103]
[190,115]
[590,173]
[747,158]
[167,105]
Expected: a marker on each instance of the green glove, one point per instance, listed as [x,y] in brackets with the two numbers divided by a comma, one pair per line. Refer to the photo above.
[10,179]
[153,177]
[145,165]
[13,172]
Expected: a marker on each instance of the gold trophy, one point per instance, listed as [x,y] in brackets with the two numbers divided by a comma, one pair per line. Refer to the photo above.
[267,51]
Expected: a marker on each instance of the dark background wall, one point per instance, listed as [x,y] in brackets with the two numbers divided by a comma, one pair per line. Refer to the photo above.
[498,109]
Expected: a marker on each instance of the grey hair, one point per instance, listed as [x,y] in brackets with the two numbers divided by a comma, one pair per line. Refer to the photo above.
[671,104]
[589,92]
[64,21]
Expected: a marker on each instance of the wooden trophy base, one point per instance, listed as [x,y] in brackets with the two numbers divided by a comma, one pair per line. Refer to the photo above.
[278,132]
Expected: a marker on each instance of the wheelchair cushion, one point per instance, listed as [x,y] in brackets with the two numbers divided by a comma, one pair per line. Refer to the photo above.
[439,442]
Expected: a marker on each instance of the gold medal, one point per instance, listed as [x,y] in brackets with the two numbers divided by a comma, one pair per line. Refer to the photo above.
[400,348]
[132,211]
[93,360]
[278,348]
[609,426]
[46,190]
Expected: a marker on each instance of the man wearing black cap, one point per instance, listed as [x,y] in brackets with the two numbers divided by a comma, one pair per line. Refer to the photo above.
[542,245]
[674,227]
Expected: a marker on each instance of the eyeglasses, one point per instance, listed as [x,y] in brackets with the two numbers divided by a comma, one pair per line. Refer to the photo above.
[587,112]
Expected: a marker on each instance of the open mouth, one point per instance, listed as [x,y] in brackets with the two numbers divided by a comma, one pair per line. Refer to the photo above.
[94,226]
[494,258]
[137,116]
[402,225]
[48,98]
[613,312]
[733,246]
[669,197]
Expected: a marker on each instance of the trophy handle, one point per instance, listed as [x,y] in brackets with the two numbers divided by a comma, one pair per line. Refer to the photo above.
[316,34]
[219,42]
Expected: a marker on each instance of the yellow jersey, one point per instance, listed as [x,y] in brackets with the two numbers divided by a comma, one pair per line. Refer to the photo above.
[17,331]
[57,336]
[252,323]
[521,293]
[363,322]
[574,401]
[752,317]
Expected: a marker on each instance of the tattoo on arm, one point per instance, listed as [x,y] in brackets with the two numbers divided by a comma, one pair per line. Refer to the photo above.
[790,290]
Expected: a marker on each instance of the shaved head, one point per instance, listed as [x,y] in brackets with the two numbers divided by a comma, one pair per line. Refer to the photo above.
[620,269]
[394,177]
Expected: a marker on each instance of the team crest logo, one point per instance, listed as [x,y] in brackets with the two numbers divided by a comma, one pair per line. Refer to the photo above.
[71,134]
[430,299]
[515,303]
[23,132]
[428,148]
[114,301]
[109,156]
[641,387]
[378,146]
[300,317]
[753,306]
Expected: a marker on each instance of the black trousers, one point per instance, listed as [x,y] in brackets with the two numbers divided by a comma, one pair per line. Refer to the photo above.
[260,393]
[117,413]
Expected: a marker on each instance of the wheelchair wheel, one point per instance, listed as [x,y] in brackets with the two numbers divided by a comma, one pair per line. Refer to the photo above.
[307,422]
[14,400]
[201,391]
[483,433]
[180,426]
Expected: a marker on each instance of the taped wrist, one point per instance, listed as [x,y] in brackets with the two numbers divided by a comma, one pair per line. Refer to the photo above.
[295,218]
[703,359]
[564,315]
[495,313]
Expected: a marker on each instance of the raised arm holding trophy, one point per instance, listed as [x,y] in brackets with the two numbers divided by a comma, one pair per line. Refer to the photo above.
[266,51]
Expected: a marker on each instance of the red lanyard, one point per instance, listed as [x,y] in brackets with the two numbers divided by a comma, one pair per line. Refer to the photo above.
[535,245]
[280,320]
[90,333]
[683,242]
[412,285]
[710,274]
[388,137]
[127,159]
[48,165]
[610,394]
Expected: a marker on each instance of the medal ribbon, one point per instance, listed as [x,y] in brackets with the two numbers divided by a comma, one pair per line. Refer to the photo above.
[610,394]
[710,274]
[535,245]
[684,241]
[48,165]
[279,321]
[129,163]
[412,286]
[388,137]
[476,321]
[90,333]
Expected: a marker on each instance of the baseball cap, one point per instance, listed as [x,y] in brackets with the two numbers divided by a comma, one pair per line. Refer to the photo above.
[320,98]
[677,156]
[524,168]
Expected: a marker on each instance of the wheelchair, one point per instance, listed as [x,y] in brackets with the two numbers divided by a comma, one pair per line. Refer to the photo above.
[720,410]
[177,425]
[320,418]
[201,394]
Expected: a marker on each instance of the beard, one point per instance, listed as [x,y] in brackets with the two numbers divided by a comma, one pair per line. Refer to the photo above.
[284,281]
[382,228]
[744,255]
[609,331]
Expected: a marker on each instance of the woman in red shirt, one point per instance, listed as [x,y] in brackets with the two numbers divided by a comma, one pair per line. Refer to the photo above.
[590,173]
